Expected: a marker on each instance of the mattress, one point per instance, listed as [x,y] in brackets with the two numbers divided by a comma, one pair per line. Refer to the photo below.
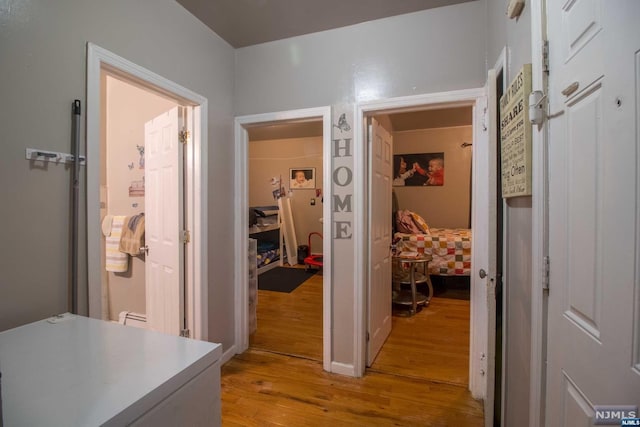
[449,248]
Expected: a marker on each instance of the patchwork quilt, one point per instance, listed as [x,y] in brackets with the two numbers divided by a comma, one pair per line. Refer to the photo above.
[450,249]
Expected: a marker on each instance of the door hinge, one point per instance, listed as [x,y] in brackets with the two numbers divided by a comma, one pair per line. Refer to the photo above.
[184,136]
[545,56]
[185,333]
[367,336]
[185,236]
[485,119]
[545,273]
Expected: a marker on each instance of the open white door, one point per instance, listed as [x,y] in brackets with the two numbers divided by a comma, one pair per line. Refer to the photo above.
[379,284]
[594,287]
[483,265]
[491,119]
[164,223]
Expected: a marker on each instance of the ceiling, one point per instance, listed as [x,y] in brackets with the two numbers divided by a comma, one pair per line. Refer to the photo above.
[247,22]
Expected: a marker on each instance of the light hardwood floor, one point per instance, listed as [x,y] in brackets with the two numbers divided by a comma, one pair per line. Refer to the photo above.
[432,345]
[419,378]
[268,389]
[291,323]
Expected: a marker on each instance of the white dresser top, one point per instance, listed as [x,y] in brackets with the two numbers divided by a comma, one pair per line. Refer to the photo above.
[77,371]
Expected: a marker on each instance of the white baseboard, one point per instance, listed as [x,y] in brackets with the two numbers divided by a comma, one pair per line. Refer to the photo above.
[228,355]
[343,369]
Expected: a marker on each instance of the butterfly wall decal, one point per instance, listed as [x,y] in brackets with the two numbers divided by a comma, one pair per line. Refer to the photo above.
[342,123]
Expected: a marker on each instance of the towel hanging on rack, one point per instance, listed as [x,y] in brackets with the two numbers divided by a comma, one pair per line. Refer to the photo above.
[132,238]
[117,261]
[107,223]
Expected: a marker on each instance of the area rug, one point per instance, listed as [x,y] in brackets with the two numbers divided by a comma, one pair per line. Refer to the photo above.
[283,279]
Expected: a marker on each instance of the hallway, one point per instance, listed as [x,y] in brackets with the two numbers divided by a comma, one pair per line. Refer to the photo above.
[419,378]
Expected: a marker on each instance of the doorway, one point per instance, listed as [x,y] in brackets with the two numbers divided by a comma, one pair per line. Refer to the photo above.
[281,184]
[480,353]
[125,195]
[432,157]
[285,198]
[188,304]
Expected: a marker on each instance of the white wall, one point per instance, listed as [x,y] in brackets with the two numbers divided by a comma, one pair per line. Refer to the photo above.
[43,47]
[516,36]
[435,50]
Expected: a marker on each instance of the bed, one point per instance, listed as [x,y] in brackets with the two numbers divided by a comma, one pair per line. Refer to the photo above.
[449,248]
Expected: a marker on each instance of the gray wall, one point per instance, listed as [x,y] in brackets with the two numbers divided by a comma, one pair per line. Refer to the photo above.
[431,51]
[516,36]
[436,50]
[43,64]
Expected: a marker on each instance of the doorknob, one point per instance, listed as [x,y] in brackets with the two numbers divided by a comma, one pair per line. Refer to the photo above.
[482,273]
[144,249]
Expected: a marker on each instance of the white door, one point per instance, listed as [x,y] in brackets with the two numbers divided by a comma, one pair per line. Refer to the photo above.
[485,233]
[483,249]
[379,290]
[594,304]
[164,223]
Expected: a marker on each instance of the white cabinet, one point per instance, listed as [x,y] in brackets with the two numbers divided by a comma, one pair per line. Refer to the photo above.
[76,371]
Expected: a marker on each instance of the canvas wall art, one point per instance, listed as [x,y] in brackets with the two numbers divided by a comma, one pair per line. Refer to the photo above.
[413,170]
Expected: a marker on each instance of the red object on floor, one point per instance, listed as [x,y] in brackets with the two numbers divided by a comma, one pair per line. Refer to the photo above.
[313,260]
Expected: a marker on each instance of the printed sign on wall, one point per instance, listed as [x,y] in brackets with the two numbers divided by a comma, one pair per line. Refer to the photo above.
[342,176]
[515,131]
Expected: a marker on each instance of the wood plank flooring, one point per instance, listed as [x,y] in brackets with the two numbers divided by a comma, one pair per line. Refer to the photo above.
[433,344]
[419,378]
[291,323]
[268,389]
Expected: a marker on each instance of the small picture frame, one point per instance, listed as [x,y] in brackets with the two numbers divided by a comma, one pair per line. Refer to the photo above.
[302,178]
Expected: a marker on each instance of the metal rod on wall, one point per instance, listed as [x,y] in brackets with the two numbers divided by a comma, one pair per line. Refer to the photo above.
[75,206]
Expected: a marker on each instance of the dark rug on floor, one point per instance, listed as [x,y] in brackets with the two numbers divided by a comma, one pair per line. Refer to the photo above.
[283,279]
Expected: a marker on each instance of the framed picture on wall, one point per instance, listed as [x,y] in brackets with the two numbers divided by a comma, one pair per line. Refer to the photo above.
[302,178]
[424,169]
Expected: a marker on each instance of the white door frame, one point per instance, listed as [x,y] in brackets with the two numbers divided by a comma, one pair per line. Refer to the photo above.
[501,66]
[241,225]
[478,321]
[539,224]
[98,60]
